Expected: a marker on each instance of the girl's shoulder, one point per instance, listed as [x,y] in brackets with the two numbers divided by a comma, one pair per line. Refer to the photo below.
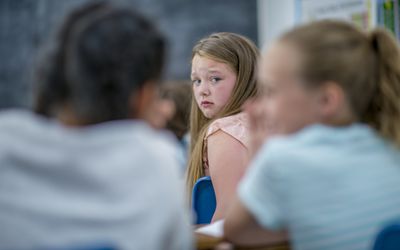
[236,126]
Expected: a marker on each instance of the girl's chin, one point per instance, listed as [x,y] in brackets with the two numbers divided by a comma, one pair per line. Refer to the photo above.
[208,115]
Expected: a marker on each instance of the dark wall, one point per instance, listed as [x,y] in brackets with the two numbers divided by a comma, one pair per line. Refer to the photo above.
[26,24]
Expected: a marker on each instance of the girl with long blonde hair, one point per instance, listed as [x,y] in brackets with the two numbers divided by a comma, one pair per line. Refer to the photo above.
[223,78]
[330,179]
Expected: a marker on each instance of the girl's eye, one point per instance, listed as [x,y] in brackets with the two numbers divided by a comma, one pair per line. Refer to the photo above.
[196,82]
[215,79]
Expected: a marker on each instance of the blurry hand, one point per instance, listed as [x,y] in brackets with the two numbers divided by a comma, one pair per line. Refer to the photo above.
[260,127]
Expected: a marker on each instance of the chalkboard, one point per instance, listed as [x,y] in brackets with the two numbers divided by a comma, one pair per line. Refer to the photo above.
[26,24]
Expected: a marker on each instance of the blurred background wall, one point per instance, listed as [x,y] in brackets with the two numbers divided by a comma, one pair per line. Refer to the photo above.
[274,18]
[25,25]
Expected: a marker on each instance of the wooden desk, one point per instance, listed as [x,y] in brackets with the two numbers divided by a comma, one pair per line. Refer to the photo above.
[204,242]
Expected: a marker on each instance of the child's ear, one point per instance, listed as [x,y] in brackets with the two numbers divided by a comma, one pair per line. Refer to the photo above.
[141,100]
[332,101]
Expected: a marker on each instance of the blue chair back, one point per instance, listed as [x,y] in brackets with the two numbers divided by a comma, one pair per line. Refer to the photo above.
[203,200]
[389,237]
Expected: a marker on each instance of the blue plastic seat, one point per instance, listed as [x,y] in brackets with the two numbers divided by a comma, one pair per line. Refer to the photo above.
[389,237]
[203,200]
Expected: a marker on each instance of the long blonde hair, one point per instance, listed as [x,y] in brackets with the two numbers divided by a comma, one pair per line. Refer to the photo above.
[366,65]
[241,55]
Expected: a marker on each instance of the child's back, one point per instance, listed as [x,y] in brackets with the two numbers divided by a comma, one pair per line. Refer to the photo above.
[114,183]
[334,187]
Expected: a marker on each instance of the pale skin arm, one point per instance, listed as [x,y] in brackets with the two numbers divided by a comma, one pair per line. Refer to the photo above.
[240,226]
[242,229]
[227,160]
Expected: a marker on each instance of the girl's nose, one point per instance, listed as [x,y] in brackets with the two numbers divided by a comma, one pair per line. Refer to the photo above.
[204,90]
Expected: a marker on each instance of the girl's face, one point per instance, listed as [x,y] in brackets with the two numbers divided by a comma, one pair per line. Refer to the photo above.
[213,83]
[284,103]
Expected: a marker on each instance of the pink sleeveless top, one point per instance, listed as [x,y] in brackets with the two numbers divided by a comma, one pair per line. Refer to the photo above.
[236,126]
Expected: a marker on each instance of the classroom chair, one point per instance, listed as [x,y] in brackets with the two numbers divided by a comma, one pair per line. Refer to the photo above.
[389,237]
[203,200]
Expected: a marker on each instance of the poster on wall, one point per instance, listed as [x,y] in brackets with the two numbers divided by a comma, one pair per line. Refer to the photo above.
[388,15]
[359,12]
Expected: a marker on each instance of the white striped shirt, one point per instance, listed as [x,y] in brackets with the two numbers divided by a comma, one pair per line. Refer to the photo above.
[332,188]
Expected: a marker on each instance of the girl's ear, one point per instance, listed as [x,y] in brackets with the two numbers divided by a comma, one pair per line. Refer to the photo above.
[141,101]
[333,104]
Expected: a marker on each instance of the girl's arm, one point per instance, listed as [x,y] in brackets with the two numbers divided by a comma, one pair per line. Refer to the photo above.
[241,228]
[227,160]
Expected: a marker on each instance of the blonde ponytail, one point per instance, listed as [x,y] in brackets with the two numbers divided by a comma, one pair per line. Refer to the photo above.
[365,65]
[383,112]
